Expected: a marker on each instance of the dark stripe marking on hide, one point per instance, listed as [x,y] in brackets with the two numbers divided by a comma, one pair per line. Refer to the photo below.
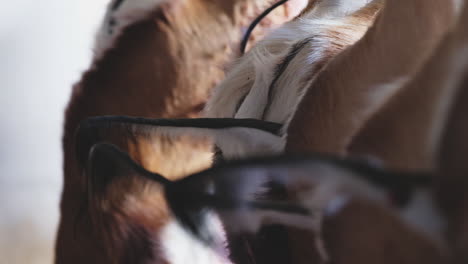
[88,133]
[112,22]
[116,5]
[211,123]
[281,68]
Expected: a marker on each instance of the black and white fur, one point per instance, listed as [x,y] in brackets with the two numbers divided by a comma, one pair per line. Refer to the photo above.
[236,198]
[269,81]
[119,15]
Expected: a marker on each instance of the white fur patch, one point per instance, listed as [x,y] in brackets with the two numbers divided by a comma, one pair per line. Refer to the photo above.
[180,247]
[458,6]
[378,95]
[326,190]
[252,76]
[382,92]
[264,64]
[129,12]
[338,7]
[333,182]
[423,214]
[244,142]
[295,7]
[336,205]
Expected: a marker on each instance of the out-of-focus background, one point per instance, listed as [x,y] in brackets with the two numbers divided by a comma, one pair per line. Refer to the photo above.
[44,48]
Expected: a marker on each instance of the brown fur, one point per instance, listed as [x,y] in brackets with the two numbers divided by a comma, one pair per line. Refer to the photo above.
[406,132]
[348,236]
[366,233]
[122,219]
[327,126]
[453,179]
[412,131]
[323,123]
[162,66]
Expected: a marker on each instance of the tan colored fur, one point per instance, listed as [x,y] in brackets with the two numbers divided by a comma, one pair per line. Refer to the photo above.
[406,132]
[364,69]
[161,66]
[122,220]
[403,140]
[366,233]
[322,123]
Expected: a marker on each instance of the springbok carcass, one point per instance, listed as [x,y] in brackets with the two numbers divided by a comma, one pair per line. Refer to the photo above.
[330,98]
[153,58]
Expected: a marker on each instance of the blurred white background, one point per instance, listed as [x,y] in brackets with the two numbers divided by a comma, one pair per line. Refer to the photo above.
[44,48]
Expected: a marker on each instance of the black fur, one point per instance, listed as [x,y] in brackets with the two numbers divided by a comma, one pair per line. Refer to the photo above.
[116,5]
[257,20]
